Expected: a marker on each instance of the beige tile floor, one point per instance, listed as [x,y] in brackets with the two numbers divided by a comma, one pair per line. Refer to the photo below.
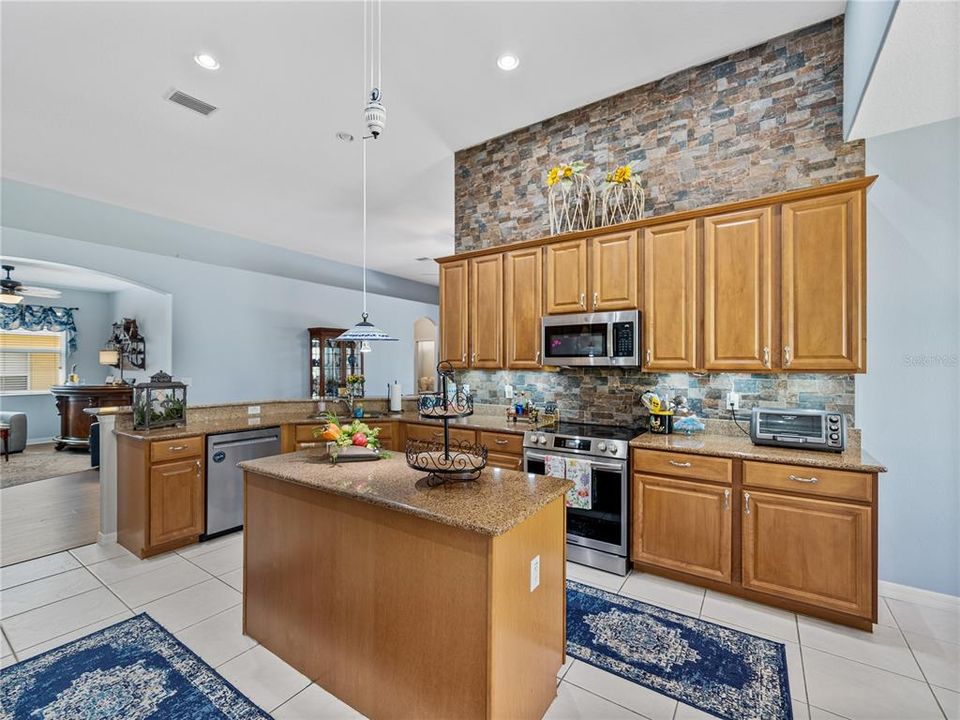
[908,669]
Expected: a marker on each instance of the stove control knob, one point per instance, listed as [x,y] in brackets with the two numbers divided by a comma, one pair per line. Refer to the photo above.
[601,446]
[613,450]
[542,439]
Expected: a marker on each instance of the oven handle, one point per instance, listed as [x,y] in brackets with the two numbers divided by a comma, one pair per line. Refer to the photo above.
[598,466]
[533,456]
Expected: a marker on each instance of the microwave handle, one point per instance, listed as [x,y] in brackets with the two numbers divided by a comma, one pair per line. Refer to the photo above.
[610,348]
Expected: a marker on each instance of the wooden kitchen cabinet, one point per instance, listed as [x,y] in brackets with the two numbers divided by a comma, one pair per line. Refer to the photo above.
[822,283]
[486,312]
[176,501]
[454,313]
[523,307]
[613,272]
[434,433]
[671,260]
[810,550]
[738,297]
[683,525]
[566,277]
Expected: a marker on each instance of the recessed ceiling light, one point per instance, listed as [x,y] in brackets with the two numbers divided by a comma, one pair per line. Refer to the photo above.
[344,136]
[206,61]
[508,62]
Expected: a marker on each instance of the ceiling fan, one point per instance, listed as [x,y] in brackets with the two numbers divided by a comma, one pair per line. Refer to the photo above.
[13,291]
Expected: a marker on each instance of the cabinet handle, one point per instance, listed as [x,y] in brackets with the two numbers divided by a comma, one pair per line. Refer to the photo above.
[787,356]
[501,442]
[726,499]
[177,448]
[583,298]
[464,359]
[766,357]
[473,358]
[596,300]
[537,359]
[810,480]
[649,356]
[199,467]
[679,464]
[746,503]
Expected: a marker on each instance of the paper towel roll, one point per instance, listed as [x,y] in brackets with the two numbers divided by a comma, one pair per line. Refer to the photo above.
[396,403]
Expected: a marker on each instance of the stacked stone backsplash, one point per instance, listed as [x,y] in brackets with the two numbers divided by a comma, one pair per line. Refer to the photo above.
[757,122]
[612,396]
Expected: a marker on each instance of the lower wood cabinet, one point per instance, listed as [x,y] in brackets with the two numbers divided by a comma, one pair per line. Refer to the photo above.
[176,501]
[683,525]
[815,551]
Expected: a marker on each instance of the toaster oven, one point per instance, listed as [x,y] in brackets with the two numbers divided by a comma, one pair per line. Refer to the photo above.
[810,429]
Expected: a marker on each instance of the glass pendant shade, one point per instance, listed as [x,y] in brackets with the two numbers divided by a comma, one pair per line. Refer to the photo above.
[364,332]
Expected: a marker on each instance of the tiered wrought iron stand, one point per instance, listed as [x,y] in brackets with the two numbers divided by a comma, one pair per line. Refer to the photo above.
[446,462]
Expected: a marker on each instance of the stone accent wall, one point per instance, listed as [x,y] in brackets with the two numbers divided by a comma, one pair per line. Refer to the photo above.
[612,395]
[757,122]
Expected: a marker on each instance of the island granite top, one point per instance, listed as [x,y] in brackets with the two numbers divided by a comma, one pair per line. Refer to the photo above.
[492,505]
[731,446]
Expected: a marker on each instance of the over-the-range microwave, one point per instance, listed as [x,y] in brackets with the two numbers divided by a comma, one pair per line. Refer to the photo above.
[593,339]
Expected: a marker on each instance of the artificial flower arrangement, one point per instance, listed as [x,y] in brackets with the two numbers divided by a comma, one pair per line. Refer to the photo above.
[621,196]
[620,176]
[564,173]
[355,432]
[355,379]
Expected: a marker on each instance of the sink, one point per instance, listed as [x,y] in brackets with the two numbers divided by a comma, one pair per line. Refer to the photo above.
[367,416]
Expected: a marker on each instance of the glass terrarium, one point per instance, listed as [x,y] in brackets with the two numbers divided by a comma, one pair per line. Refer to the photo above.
[162,402]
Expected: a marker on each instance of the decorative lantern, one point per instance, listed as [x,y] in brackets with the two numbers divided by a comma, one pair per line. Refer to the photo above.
[162,402]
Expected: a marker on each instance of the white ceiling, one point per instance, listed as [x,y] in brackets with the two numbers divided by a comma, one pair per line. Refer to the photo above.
[36,273]
[916,78]
[83,107]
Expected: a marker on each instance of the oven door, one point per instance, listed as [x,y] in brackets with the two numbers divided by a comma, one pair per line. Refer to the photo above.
[604,525]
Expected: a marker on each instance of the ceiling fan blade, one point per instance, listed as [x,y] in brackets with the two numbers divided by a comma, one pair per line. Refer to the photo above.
[38,292]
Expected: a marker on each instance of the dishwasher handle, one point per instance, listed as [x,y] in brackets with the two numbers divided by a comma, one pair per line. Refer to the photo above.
[241,443]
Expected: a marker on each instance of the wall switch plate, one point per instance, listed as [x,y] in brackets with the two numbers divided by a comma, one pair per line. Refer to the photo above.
[733,400]
[508,392]
[253,409]
[535,573]
[466,388]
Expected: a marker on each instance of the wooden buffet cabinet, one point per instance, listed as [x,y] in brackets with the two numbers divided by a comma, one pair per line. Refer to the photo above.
[798,537]
[73,400]
[770,284]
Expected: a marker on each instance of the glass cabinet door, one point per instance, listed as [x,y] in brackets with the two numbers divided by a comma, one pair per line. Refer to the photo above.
[330,362]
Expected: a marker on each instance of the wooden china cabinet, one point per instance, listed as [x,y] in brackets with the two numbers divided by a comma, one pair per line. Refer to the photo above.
[330,362]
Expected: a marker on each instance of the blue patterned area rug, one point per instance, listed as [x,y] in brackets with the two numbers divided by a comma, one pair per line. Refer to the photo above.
[723,672]
[133,670]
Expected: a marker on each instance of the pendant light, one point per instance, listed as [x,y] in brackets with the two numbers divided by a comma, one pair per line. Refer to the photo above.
[375,116]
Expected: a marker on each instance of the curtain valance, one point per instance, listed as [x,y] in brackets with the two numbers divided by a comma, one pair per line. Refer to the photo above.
[40,317]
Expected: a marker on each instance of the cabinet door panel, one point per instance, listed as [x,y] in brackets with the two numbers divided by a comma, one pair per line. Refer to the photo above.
[613,272]
[670,270]
[523,305]
[176,501]
[822,283]
[738,291]
[567,277]
[683,525]
[454,340]
[814,551]
[486,312]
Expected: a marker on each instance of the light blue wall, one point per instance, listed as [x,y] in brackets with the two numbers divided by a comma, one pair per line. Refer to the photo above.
[153,312]
[240,335]
[907,402]
[93,328]
[865,26]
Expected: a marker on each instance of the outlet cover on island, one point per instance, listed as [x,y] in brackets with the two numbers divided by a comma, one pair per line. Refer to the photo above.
[535,573]
[253,409]
[508,392]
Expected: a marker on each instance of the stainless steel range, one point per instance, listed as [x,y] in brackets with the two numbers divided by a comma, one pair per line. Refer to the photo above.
[596,458]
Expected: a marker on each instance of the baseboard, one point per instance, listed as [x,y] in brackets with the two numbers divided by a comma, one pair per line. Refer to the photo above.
[40,441]
[916,595]
[106,538]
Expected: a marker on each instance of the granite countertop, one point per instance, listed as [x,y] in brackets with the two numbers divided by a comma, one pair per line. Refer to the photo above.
[498,501]
[272,419]
[731,446]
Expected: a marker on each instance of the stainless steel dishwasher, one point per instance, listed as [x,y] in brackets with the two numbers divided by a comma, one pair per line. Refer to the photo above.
[225,479]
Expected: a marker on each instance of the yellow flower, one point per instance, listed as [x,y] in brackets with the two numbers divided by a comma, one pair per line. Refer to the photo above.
[553,176]
[622,174]
[567,171]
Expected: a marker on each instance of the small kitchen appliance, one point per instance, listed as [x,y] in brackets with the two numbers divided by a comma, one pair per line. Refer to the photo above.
[596,458]
[593,339]
[809,429]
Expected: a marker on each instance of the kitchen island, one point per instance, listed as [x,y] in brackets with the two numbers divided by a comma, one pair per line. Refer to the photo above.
[406,600]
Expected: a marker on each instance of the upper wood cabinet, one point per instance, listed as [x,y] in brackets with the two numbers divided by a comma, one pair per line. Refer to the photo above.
[613,272]
[670,296]
[822,281]
[683,525]
[454,338]
[486,311]
[738,298]
[566,280]
[523,306]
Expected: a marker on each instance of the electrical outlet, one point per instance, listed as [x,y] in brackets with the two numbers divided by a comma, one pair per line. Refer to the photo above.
[508,392]
[535,573]
[466,388]
[253,409]
[733,400]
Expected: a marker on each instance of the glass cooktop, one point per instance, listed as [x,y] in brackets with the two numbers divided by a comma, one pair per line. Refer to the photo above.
[591,430]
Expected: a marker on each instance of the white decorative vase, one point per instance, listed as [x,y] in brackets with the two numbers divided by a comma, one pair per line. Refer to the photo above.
[572,204]
[621,202]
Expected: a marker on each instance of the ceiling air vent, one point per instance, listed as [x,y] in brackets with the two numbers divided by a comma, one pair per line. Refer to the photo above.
[188,101]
